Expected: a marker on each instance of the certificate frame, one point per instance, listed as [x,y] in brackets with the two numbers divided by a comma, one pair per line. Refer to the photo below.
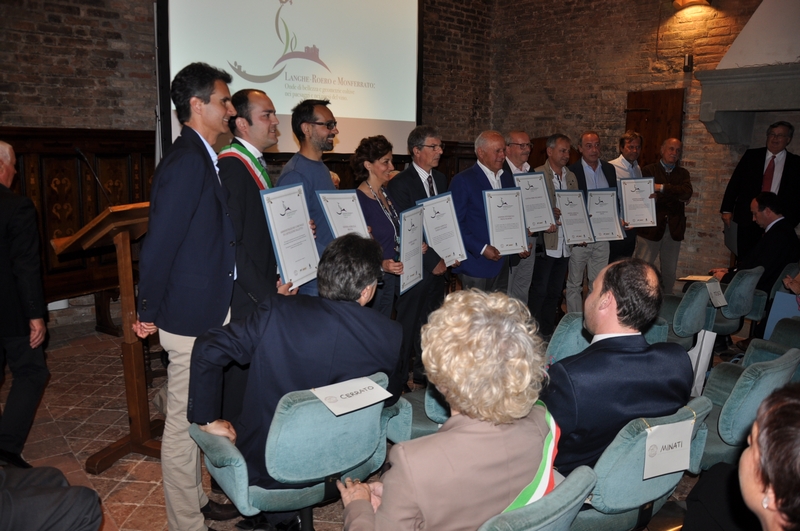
[534,192]
[290,232]
[442,231]
[343,212]
[574,217]
[505,219]
[411,236]
[638,190]
[598,201]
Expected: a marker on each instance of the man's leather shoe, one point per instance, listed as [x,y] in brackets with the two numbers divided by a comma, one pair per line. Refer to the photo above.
[292,524]
[12,459]
[219,511]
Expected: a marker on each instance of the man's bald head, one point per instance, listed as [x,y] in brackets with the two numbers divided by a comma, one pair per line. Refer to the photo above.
[8,163]
[636,288]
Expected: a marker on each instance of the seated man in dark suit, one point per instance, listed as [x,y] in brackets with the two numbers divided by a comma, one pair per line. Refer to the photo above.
[776,248]
[619,377]
[296,343]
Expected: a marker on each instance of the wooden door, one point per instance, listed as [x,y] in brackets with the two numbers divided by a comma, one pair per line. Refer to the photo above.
[657,115]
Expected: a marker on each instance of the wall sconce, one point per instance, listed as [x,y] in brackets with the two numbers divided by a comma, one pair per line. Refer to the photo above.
[680,4]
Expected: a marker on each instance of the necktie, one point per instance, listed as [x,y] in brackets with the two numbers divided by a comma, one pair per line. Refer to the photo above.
[431,191]
[264,165]
[768,174]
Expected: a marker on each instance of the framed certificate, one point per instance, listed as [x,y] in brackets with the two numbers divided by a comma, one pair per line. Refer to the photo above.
[411,233]
[288,220]
[603,215]
[535,201]
[441,228]
[574,218]
[638,208]
[506,220]
[343,212]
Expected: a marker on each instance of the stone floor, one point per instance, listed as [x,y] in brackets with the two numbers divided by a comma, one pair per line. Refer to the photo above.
[84,409]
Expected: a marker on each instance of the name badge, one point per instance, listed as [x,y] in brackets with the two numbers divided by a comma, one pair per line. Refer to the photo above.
[667,448]
[351,395]
[715,293]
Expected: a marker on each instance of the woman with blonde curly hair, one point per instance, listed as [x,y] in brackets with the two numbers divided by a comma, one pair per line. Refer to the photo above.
[482,353]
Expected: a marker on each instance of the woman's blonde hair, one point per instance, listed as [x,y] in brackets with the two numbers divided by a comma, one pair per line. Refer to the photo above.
[482,352]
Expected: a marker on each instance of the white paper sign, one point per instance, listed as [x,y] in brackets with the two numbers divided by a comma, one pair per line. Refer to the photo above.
[715,293]
[667,448]
[351,395]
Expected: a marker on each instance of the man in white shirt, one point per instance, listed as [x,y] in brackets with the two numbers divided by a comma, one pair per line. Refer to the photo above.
[518,149]
[627,167]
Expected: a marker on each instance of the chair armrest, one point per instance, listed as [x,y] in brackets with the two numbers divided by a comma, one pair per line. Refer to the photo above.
[760,350]
[721,382]
[399,415]
[218,449]
[759,306]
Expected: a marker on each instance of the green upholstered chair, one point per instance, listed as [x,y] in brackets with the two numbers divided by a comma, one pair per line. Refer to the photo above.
[687,314]
[621,500]
[737,390]
[430,411]
[739,294]
[553,512]
[306,444]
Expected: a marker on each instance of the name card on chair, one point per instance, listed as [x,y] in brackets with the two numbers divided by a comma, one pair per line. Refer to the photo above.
[351,395]
[715,294]
[667,448]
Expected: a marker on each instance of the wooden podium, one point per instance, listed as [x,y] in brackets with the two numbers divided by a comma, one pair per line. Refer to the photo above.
[117,226]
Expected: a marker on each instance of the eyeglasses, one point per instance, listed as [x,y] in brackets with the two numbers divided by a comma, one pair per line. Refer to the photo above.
[435,147]
[521,146]
[777,135]
[329,125]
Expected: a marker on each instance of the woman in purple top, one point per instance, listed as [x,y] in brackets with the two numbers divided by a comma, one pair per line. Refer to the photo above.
[372,165]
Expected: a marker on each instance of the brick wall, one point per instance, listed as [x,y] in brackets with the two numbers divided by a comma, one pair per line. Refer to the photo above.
[77,64]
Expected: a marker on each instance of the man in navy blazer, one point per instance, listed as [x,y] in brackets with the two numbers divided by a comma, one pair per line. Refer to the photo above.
[187,269]
[619,377]
[749,179]
[485,268]
[348,341]
[592,174]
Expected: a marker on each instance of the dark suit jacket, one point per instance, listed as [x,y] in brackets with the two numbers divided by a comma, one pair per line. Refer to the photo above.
[777,247]
[669,203]
[21,297]
[347,341]
[467,189]
[608,171]
[187,260]
[256,265]
[592,395]
[746,182]
[406,189]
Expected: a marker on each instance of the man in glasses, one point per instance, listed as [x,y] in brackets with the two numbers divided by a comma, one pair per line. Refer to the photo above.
[315,128]
[520,271]
[767,169]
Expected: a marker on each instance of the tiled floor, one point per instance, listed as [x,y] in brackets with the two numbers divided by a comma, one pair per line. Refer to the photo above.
[84,409]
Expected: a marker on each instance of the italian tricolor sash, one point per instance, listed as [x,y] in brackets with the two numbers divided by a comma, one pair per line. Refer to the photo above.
[258,172]
[543,482]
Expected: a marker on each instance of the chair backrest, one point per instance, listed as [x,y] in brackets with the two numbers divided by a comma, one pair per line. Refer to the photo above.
[790,270]
[739,293]
[436,407]
[754,385]
[554,512]
[620,469]
[787,332]
[307,443]
[691,314]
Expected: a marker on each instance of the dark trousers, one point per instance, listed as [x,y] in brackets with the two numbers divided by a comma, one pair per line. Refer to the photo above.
[413,308]
[619,249]
[41,498]
[30,376]
[547,286]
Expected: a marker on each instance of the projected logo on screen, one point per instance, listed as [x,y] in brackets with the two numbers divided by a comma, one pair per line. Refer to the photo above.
[289,40]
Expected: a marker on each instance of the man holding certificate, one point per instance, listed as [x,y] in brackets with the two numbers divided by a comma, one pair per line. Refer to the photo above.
[520,271]
[485,268]
[592,174]
[673,188]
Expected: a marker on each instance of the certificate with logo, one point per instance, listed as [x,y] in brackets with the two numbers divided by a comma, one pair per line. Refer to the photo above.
[287,217]
[441,228]
[506,220]
[536,201]
[574,218]
[411,233]
[343,212]
[603,215]
[638,208]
